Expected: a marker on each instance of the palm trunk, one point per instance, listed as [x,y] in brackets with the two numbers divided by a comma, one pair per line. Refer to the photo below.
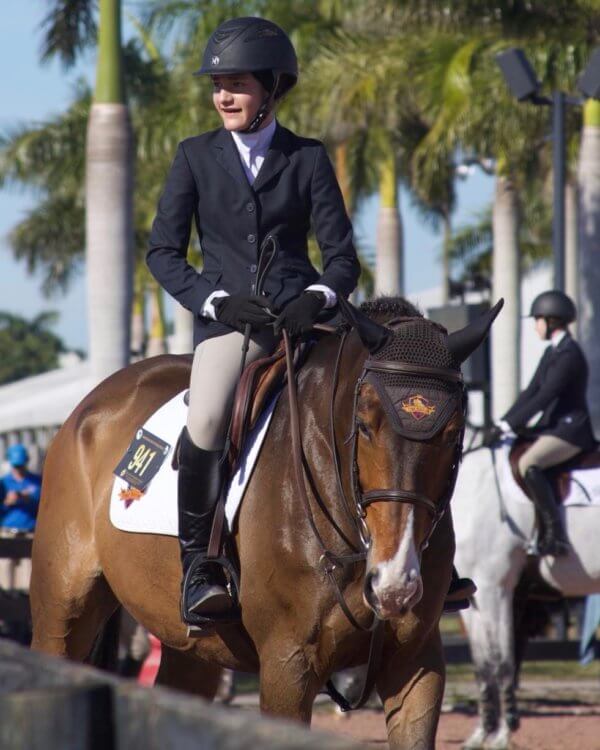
[138,325]
[109,205]
[446,260]
[506,331]
[571,245]
[157,343]
[589,250]
[342,174]
[389,278]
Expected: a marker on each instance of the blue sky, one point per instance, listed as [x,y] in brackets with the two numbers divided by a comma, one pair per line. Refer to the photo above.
[31,92]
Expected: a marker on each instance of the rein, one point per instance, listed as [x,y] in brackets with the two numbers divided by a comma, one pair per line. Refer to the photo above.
[355,508]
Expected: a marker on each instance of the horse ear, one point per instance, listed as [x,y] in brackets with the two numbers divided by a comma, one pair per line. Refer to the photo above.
[464,342]
[373,335]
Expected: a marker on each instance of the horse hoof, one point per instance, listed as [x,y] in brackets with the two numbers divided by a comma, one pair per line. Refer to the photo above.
[498,740]
[476,740]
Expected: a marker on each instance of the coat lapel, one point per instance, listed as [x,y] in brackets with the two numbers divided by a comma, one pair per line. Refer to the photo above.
[228,157]
[275,160]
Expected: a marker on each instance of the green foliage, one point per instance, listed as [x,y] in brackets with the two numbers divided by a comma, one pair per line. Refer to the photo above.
[27,347]
[69,28]
[414,78]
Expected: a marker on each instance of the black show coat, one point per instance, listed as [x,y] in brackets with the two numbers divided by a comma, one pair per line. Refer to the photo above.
[557,389]
[207,183]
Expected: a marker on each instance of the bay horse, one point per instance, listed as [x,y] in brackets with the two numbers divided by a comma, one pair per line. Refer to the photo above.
[294,631]
[494,528]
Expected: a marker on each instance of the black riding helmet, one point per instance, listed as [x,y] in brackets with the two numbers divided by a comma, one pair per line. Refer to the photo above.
[553,305]
[257,46]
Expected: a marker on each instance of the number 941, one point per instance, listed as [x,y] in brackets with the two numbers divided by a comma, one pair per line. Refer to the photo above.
[142,458]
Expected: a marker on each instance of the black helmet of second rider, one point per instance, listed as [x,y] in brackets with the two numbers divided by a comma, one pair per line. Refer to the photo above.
[557,309]
[257,46]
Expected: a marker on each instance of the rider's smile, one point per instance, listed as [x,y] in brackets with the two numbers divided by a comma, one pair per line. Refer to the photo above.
[237,98]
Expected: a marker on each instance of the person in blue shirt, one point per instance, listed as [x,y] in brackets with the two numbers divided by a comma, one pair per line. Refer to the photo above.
[19,492]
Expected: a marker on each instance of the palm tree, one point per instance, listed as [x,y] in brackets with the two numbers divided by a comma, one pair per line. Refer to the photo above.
[27,347]
[109,204]
[589,257]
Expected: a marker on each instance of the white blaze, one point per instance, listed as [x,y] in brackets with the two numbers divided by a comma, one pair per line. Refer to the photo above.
[398,579]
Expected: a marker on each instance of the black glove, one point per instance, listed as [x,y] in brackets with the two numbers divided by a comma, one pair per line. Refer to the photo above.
[492,435]
[236,310]
[299,315]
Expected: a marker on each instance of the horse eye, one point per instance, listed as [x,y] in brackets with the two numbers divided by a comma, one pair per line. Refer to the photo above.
[362,427]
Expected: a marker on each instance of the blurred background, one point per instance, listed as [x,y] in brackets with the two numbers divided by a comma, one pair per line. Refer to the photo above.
[449,174]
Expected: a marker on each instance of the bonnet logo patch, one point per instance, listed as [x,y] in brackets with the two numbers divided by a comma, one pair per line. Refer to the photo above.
[418,407]
[216,60]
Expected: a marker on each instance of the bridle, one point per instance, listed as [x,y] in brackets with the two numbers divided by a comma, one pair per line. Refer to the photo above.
[361,500]
[356,506]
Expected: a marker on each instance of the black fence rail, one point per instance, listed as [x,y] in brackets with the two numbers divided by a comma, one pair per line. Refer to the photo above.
[52,704]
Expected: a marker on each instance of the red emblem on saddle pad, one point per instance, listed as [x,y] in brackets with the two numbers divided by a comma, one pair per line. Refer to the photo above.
[130,494]
[418,407]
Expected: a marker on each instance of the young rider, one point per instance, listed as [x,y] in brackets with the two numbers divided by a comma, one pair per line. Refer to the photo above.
[249,179]
[558,391]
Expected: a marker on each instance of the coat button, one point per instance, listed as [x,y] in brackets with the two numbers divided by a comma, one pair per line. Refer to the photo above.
[253,268]
[250,207]
[251,238]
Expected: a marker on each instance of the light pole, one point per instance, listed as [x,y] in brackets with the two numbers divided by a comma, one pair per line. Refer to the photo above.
[523,84]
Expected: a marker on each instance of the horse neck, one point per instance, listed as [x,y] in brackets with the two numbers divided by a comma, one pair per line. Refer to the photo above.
[315,392]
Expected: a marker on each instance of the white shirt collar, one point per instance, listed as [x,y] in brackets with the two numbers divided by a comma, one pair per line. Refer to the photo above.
[557,337]
[255,144]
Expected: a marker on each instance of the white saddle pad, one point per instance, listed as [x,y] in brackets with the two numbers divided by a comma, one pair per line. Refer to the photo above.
[155,512]
[584,487]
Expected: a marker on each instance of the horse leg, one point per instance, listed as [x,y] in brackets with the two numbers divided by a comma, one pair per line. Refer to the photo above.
[181,671]
[68,614]
[412,693]
[490,628]
[288,684]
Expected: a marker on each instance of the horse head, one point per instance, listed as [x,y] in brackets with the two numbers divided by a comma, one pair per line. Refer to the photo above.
[408,429]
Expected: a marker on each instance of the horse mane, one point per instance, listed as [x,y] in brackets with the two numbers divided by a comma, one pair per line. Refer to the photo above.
[383,309]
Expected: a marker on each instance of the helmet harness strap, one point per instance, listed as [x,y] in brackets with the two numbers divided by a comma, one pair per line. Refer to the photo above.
[264,109]
[551,326]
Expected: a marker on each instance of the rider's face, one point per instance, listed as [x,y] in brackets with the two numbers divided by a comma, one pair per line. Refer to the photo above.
[541,327]
[237,98]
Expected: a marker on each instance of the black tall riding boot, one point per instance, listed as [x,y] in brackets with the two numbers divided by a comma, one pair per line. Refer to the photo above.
[459,593]
[552,537]
[199,485]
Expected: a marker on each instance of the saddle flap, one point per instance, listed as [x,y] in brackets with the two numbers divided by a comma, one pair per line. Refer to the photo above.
[257,383]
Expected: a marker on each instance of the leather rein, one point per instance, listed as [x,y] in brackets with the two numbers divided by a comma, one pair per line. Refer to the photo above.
[355,508]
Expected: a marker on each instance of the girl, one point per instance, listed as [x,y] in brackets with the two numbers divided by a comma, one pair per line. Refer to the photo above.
[557,390]
[249,179]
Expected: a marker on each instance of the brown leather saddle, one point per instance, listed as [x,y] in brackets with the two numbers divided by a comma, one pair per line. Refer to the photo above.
[259,381]
[560,475]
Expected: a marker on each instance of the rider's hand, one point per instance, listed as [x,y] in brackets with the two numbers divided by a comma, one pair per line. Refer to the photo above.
[299,315]
[237,310]
[492,435]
